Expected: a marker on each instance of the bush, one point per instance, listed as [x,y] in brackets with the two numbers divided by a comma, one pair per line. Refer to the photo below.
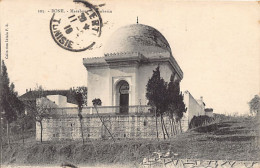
[198,121]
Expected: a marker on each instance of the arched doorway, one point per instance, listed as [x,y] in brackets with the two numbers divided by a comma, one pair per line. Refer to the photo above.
[123,96]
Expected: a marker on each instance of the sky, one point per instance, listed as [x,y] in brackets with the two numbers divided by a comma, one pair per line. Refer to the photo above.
[215,43]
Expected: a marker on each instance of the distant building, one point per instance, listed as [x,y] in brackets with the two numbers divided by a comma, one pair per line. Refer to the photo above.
[29,98]
[202,104]
[55,101]
[194,108]
[209,112]
[60,101]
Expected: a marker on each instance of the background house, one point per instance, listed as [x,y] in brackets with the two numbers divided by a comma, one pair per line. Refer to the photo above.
[58,96]
[209,112]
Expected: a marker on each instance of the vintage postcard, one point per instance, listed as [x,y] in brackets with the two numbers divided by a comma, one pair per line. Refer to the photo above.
[109,83]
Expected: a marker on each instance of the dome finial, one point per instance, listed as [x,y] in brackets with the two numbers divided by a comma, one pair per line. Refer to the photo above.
[137,20]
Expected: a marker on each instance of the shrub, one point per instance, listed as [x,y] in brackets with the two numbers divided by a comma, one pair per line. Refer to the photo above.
[198,121]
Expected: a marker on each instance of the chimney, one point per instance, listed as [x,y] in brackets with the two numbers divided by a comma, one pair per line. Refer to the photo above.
[201,98]
[26,90]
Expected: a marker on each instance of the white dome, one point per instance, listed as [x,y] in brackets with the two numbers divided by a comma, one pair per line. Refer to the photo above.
[137,38]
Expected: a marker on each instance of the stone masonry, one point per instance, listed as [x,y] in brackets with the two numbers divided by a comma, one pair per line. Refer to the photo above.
[132,126]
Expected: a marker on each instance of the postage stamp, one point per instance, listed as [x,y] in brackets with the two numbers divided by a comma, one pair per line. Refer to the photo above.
[76,29]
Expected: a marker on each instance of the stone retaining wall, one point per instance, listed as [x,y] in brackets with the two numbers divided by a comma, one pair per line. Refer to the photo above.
[121,126]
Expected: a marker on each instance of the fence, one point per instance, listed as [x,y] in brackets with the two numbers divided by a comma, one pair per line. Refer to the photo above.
[104,110]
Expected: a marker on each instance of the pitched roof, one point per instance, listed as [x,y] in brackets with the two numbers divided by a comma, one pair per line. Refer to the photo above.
[32,95]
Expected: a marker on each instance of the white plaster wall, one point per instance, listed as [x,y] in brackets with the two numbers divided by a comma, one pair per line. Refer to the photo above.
[102,81]
[193,107]
[185,122]
[145,72]
[71,105]
[201,103]
[98,85]
[210,114]
[53,98]
[60,100]
[43,101]
[123,73]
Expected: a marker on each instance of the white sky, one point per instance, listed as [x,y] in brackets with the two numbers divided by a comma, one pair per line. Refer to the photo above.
[215,43]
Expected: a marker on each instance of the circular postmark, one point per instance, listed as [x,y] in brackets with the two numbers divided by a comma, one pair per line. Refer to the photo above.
[76,30]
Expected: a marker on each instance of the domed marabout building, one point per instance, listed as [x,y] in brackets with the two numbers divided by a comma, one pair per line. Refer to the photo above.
[119,78]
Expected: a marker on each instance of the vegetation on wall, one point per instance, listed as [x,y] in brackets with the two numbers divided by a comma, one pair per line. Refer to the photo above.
[176,106]
[40,108]
[97,102]
[198,121]
[79,95]
[156,89]
[165,98]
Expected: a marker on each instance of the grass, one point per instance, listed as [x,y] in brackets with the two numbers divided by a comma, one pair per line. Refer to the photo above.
[235,138]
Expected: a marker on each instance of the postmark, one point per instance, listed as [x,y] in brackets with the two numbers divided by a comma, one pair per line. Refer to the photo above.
[77,30]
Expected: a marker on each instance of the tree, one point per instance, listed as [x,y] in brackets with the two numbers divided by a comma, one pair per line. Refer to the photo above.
[16,104]
[78,96]
[98,102]
[41,107]
[156,89]
[10,105]
[43,110]
[6,96]
[22,123]
[254,105]
[84,93]
[176,106]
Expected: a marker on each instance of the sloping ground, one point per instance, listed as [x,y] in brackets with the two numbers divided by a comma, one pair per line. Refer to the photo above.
[235,139]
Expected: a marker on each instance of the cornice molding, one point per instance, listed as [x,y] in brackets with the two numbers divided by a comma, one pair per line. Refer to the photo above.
[130,59]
